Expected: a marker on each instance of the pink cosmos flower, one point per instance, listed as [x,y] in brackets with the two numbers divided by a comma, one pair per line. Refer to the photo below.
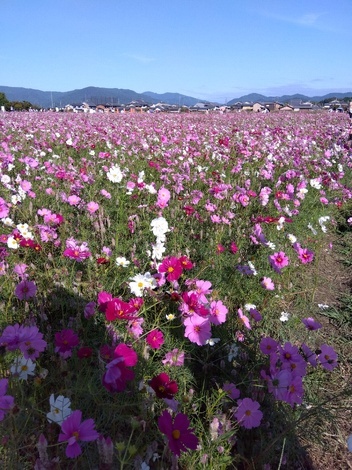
[244,319]
[311,324]
[172,267]
[73,430]
[135,326]
[92,207]
[163,198]
[155,339]
[305,256]
[6,401]
[75,250]
[25,290]
[198,329]
[278,261]
[174,358]
[73,200]
[180,436]
[248,414]
[218,312]
[65,341]
[267,283]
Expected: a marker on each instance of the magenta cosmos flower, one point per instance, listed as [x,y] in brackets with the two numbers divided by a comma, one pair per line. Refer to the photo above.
[278,261]
[65,341]
[180,436]
[155,339]
[73,430]
[25,290]
[248,414]
[172,267]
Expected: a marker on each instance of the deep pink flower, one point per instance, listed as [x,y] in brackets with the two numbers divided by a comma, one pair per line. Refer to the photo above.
[163,386]
[186,263]
[25,290]
[180,436]
[6,401]
[233,248]
[278,261]
[155,339]
[117,309]
[73,430]
[172,267]
[65,341]
[248,414]
[117,372]
[305,256]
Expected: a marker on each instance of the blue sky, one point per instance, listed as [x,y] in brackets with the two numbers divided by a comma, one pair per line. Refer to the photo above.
[209,49]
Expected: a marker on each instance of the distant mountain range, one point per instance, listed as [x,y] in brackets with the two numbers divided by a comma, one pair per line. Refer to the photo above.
[115,96]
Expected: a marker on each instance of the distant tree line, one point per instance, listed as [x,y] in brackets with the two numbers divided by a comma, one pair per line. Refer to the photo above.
[15,105]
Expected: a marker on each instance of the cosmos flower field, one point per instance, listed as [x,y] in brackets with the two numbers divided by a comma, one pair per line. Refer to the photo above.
[151,272]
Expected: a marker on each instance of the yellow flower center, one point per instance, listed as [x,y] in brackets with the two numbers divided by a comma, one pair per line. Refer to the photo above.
[176,434]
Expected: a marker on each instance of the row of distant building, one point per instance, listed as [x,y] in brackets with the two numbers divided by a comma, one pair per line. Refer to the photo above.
[258,106]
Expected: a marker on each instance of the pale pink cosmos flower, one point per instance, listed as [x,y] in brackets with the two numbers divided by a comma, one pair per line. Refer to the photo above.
[244,319]
[267,283]
[73,200]
[92,207]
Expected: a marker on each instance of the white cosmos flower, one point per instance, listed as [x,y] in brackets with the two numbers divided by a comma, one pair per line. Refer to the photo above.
[114,174]
[140,282]
[159,227]
[59,409]
[292,238]
[284,316]
[122,261]
[8,222]
[315,183]
[22,367]
[158,250]
[12,243]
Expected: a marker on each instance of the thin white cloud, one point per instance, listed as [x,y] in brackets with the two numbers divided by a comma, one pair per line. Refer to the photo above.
[140,58]
[307,20]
